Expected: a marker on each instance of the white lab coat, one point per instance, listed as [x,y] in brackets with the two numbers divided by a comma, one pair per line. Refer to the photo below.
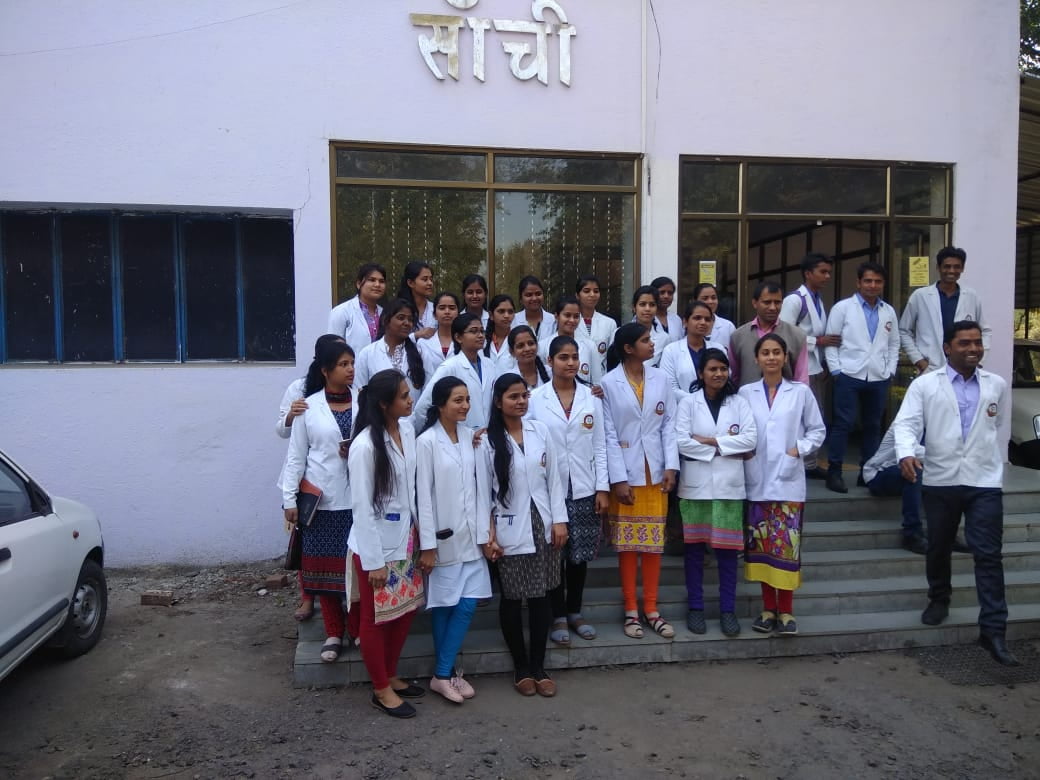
[314,453]
[479,387]
[793,421]
[639,435]
[348,321]
[547,327]
[452,494]
[378,538]
[812,324]
[376,357]
[885,457]
[579,439]
[858,356]
[599,333]
[501,359]
[704,472]
[294,392]
[427,317]
[920,326]
[534,475]
[930,408]
[660,339]
[587,358]
[431,351]
[721,330]
[677,365]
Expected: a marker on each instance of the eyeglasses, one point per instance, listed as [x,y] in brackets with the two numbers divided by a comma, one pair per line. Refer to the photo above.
[474,331]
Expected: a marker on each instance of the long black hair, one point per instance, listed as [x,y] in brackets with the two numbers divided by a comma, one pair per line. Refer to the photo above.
[625,336]
[416,369]
[327,352]
[514,334]
[489,330]
[439,397]
[558,343]
[410,274]
[375,397]
[713,354]
[471,279]
[458,327]
[496,433]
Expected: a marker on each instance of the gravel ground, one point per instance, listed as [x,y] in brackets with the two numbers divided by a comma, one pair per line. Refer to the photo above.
[203,689]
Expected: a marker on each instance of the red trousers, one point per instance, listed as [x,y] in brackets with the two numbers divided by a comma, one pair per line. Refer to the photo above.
[381,644]
[332,616]
[777,599]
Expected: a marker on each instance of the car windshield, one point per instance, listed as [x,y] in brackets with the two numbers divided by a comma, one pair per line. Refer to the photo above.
[1027,366]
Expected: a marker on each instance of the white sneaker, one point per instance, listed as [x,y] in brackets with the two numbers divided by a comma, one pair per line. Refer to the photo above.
[446,689]
[459,683]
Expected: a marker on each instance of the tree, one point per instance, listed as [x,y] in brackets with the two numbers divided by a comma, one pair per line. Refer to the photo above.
[1029,38]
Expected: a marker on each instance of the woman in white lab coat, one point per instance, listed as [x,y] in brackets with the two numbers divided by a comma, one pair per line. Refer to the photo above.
[715,429]
[357,319]
[643,462]
[789,427]
[722,328]
[469,365]
[502,312]
[681,360]
[453,500]
[475,296]
[293,405]
[383,542]
[644,311]
[316,454]
[595,328]
[524,349]
[574,418]
[531,313]
[395,349]
[667,321]
[568,315]
[417,287]
[438,347]
[529,528]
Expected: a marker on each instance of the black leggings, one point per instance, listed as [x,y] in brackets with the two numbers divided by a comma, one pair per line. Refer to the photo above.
[539,616]
[572,583]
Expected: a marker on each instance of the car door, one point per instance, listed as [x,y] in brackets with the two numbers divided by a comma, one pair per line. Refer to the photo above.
[33,579]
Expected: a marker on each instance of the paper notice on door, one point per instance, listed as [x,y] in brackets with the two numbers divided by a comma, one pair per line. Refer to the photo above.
[918,271]
[708,271]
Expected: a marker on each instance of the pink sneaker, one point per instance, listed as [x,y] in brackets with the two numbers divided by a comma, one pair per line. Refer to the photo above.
[446,688]
[463,687]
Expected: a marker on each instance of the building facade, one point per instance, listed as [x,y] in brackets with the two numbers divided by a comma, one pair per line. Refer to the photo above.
[186,189]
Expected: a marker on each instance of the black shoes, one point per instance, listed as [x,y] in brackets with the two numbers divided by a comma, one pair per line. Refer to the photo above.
[729,624]
[836,483]
[915,544]
[403,710]
[764,623]
[411,692]
[935,613]
[695,621]
[997,647]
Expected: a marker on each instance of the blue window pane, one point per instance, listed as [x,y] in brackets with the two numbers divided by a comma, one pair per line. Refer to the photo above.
[149,305]
[210,295]
[86,284]
[29,287]
[267,260]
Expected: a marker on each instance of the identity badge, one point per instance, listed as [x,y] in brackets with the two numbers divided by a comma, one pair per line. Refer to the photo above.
[660,407]
[588,421]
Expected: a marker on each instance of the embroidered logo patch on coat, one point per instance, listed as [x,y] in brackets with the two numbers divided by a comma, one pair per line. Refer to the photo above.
[660,407]
[602,347]
[734,429]
[588,421]
[991,410]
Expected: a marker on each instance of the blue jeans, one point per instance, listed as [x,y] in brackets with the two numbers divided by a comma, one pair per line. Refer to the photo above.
[871,398]
[889,482]
[983,510]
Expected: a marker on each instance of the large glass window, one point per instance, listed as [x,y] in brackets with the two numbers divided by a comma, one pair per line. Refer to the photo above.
[114,287]
[500,214]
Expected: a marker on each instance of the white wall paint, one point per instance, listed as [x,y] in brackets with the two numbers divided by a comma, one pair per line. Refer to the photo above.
[233,105]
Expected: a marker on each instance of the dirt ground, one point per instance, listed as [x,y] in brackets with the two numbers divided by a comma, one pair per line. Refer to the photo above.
[203,689]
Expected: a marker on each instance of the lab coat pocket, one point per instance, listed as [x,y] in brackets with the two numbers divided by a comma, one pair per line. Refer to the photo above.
[694,475]
[790,466]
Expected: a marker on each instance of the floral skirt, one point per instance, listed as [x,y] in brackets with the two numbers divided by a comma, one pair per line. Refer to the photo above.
[639,527]
[773,543]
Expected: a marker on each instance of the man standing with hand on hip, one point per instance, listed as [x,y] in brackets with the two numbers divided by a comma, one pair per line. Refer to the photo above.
[804,309]
[958,410]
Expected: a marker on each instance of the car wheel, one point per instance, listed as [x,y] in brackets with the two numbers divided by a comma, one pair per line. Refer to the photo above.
[87,612]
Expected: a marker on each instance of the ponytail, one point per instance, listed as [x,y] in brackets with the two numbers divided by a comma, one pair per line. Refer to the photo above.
[496,433]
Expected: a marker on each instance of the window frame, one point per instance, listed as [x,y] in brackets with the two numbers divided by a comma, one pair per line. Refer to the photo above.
[178,218]
[490,187]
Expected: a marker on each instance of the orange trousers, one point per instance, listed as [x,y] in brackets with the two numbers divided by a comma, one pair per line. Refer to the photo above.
[628,563]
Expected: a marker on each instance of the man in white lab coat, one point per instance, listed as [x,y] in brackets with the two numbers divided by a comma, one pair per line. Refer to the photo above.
[958,410]
[933,309]
[804,309]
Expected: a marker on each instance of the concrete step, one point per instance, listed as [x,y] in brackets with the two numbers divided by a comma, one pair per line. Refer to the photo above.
[603,605]
[484,652]
[886,532]
[819,565]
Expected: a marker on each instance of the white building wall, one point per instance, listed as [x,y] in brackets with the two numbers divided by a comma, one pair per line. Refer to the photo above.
[232,105]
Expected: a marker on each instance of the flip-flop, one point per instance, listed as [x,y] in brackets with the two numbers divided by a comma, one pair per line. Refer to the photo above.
[581,627]
[559,633]
[330,651]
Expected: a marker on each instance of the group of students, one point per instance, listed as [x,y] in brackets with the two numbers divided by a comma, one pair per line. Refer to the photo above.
[508,444]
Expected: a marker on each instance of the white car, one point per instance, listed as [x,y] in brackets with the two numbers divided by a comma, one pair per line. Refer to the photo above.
[1025,403]
[52,581]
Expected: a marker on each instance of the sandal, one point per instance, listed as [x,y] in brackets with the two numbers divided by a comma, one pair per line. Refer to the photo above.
[581,627]
[559,633]
[305,611]
[660,626]
[631,627]
[330,651]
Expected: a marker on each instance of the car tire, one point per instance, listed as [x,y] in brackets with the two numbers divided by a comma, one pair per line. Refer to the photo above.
[87,612]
